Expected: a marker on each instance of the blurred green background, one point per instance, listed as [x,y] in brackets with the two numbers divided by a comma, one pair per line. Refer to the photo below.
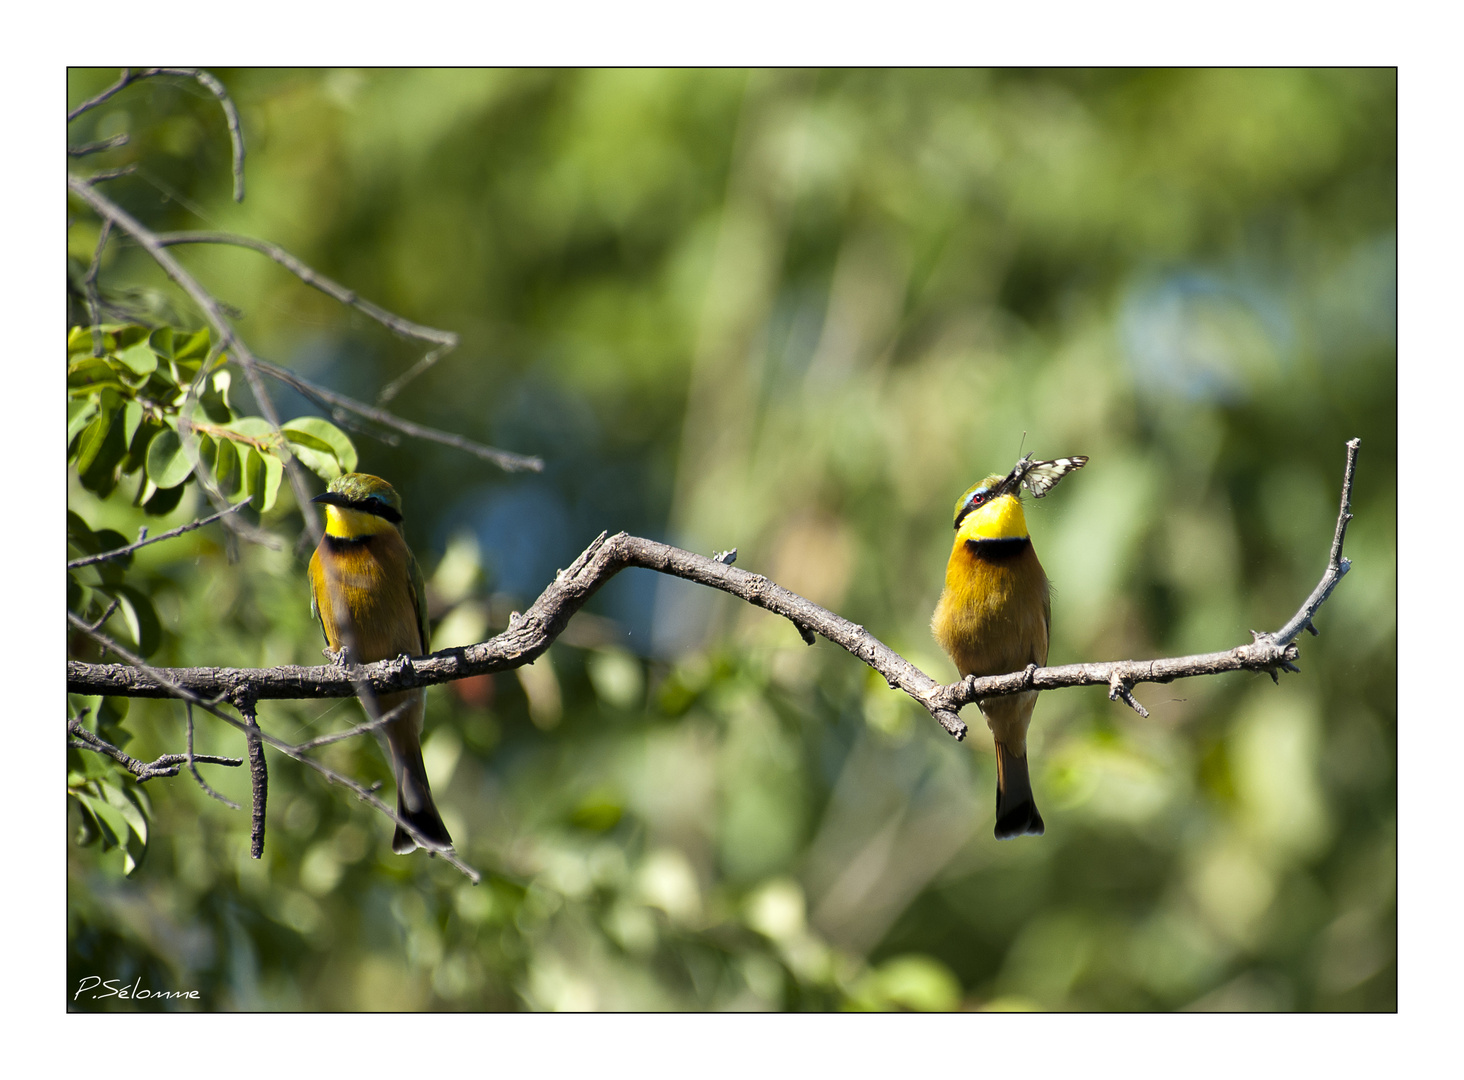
[798,312]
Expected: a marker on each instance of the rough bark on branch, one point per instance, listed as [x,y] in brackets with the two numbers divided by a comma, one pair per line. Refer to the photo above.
[529,634]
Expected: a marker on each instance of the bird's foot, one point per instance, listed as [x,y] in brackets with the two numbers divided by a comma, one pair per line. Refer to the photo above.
[337,658]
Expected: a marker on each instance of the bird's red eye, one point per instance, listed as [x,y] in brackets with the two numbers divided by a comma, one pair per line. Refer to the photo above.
[978,498]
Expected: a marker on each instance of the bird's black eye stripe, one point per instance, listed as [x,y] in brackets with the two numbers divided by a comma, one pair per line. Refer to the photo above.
[379,508]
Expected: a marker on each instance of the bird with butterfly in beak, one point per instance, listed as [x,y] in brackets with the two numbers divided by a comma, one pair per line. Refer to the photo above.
[366,590]
[994,617]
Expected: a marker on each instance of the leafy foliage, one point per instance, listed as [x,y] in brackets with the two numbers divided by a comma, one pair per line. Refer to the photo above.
[153,402]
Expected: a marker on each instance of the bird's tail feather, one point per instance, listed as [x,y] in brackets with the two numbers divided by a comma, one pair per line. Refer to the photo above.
[415,805]
[1016,811]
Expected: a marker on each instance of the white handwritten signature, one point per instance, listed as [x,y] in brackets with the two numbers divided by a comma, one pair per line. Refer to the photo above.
[135,991]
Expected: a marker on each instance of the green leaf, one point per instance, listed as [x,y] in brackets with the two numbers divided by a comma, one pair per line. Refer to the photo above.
[110,823]
[274,471]
[254,427]
[251,481]
[138,447]
[87,831]
[313,433]
[92,440]
[78,339]
[139,359]
[101,447]
[79,534]
[262,473]
[129,334]
[168,460]
[192,347]
[161,341]
[131,419]
[109,716]
[78,413]
[215,398]
[164,501]
[226,462]
[110,572]
[141,618]
[128,807]
[90,375]
[120,821]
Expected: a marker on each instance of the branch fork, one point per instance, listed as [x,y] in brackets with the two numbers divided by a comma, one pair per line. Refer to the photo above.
[530,633]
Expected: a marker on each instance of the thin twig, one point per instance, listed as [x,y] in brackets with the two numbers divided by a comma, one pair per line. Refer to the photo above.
[1119,690]
[161,684]
[258,774]
[91,103]
[193,766]
[211,84]
[179,531]
[116,602]
[97,147]
[1337,566]
[167,765]
[110,174]
[359,729]
[329,399]
[445,340]
[397,385]
[93,293]
[336,291]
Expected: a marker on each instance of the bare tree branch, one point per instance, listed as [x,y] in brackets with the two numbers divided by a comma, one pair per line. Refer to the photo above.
[208,82]
[179,531]
[529,634]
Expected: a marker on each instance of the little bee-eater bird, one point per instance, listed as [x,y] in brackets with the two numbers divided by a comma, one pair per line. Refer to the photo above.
[367,591]
[994,616]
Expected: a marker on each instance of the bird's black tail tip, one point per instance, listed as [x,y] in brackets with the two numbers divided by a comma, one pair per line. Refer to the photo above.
[1019,820]
[429,824]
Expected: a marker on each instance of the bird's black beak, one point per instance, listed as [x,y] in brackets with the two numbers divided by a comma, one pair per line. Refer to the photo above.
[331,498]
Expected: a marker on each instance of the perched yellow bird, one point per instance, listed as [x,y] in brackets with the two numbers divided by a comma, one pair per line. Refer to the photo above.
[994,616]
[366,589]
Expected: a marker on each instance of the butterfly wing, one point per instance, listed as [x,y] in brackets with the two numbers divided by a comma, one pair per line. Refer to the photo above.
[1042,475]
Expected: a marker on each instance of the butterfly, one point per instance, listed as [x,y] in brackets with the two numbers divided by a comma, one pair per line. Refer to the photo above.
[1039,477]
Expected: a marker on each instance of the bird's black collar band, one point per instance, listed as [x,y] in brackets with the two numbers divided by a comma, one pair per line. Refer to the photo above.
[1005,547]
[375,507]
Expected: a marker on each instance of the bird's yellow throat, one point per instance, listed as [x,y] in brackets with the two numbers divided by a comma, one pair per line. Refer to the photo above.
[1000,519]
[344,523]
